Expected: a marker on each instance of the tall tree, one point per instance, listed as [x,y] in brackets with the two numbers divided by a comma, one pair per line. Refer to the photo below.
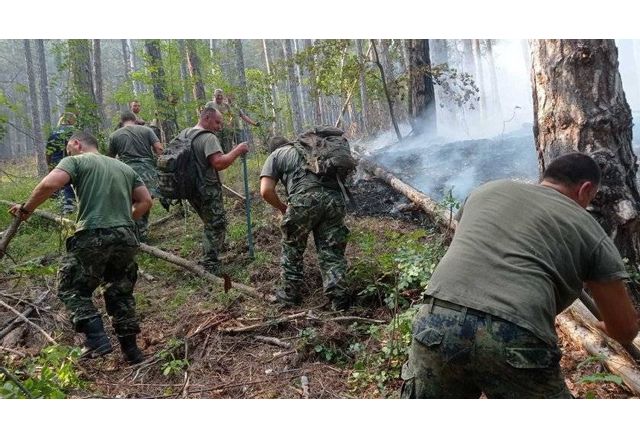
[579,105]
[314,96]
[242,80]
[364,97]
[97,83]
[44,86]
[164,106]
[483,91]
[423,109]
[296,109]
[35,115]
[185,78]
[195,71]
[493,77]
[126,58]
[82,91]
[274,88]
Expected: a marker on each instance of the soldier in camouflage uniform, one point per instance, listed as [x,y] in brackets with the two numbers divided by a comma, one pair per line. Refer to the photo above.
[55,151]
[137,146]
[208,203]
[101,252]
[230,133]
[520,255]
[312,206]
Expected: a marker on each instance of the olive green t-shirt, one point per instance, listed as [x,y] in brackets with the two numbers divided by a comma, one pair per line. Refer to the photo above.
[203,146]
[521,252]
[133,143]
[287,164]
[104,187]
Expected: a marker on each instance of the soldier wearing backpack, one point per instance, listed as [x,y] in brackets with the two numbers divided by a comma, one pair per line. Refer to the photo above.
[312,169]
[189,170]
[137,146]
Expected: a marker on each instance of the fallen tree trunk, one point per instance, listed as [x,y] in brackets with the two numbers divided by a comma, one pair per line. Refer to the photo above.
[161,254]
[231,192]
[595,344]
[436,213]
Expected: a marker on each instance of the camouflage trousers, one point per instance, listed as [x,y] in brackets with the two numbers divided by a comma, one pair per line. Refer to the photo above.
[101,257]
[458,352]
[209,206]
[321,212]
[147,171]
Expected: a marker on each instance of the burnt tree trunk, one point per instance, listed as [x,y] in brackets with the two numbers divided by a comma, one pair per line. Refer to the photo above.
[423,110]
[579,105]
[44,86]
[35,114]
[165,108]
[274,89]
[483,91]
[493,78]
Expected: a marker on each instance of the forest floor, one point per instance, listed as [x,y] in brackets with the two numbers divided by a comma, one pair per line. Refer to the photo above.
[201,342]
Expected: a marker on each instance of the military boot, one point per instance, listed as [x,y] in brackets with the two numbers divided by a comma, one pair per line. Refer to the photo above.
[130,349]
[96,343]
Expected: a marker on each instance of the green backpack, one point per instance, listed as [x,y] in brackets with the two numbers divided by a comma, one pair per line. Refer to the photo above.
[327,152]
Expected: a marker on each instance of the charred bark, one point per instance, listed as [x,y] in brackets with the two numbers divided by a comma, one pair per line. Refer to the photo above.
[423,110]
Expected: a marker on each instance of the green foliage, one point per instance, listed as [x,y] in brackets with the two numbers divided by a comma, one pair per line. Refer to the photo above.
[597,377]
[50,375]
[325,350]
[172,364]
[381,364]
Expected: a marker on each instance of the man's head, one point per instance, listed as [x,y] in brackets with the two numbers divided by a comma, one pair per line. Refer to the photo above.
[67,118]
[218,96]
[577,174]
[276,142]
[134,106]
[127,116]
[81,142]
[211,119]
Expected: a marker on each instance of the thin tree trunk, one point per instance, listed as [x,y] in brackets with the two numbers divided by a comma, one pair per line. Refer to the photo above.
[495,91]
[137,88]
[386,91]
[274,89]
[44,86]
[187,82]
[97,71]
[195,71]
[35,114]
[364,97]
[166,111]
[579,105]
[314,94]
[296,110]
[483,91]
[242,82]
[298,72]
[125,63]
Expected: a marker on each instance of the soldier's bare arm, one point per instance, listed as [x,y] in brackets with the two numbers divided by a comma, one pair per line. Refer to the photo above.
[620,319]
[220,161]
[268,192]
[157,147]
[55,180]
[141,202]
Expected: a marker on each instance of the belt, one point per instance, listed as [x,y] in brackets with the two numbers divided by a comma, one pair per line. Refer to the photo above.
[432,301]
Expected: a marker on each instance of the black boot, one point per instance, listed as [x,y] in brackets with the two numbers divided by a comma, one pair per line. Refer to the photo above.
[130,349]
[96,343]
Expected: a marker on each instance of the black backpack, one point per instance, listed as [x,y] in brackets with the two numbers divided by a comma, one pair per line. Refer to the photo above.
[179,176]
[328,154]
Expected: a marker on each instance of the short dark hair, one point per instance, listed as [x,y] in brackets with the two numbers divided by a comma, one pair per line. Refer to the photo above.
[85,138]
[208,112]
[276,142]
[573,168]
[128,116]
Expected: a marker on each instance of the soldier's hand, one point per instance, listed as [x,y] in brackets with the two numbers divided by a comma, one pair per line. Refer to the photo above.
[242,148]
[18,211]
